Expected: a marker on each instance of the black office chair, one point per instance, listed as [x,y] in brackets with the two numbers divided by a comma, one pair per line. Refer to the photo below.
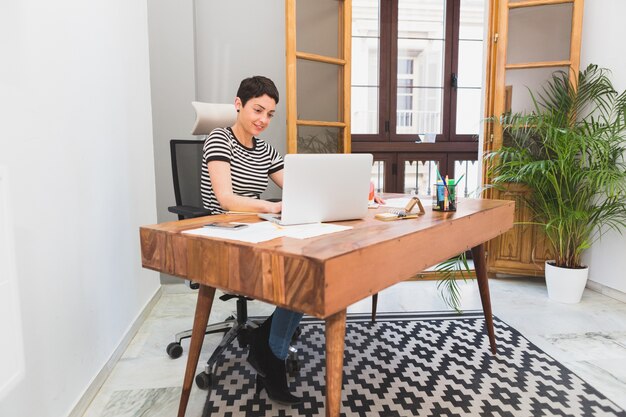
[186,158]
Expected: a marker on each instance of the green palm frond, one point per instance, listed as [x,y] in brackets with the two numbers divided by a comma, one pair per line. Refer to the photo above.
[447,285]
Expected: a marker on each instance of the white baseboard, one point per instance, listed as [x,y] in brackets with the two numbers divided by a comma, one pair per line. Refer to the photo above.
[90,393]
[608,291]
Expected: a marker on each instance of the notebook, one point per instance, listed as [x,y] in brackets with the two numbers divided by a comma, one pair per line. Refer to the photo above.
[324,188]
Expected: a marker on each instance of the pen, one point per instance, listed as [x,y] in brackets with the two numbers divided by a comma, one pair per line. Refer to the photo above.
[445,194]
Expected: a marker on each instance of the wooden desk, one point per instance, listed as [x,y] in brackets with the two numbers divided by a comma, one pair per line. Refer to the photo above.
[322,276]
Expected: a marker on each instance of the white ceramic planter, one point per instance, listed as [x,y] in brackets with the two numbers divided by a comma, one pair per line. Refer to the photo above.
[565,285]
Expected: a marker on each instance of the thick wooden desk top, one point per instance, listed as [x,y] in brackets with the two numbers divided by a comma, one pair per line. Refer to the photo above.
[322,276]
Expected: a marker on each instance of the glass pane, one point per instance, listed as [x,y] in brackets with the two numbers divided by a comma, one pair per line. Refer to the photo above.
[468,105]
[470,64]
[419,177]
[318,93]
[364,108]
[365,67]
[317,139]
[472,19]
[318,27]
[519,82]
[378,176]
[469,182]
[421,60]
[419,110]
[365,61]
[421,19]
[364,18]
[420,66]
[548,26]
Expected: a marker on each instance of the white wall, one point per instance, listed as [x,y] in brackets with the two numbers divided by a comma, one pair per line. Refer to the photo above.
[76,140]
[173,88]
[604,31]
[238,39]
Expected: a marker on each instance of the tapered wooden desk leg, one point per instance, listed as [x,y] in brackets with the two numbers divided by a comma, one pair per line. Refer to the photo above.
[478,253]
[203,308]
[335,339]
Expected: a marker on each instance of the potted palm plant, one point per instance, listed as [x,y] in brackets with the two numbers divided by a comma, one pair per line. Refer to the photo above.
[569,152]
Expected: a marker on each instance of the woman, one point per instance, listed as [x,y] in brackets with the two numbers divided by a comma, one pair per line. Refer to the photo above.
[236,165]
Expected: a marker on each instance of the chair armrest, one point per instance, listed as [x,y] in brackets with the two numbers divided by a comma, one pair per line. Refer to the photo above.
[189,211]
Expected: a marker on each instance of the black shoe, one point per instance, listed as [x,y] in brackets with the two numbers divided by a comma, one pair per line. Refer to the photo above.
[278,394]
[271,371]
[259,347]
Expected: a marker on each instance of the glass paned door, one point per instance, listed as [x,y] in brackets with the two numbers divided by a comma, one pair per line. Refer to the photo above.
[417,86]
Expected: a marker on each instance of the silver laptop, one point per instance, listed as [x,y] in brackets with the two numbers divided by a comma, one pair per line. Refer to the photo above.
[324,188]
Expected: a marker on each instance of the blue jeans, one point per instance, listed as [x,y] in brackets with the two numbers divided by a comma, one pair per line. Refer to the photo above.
[284,324]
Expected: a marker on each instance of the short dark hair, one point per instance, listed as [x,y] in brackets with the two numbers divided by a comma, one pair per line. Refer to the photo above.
[256,87]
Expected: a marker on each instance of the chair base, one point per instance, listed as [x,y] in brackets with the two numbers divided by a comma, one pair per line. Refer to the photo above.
[238,331]
[235,327]
[175,349]
[222,327]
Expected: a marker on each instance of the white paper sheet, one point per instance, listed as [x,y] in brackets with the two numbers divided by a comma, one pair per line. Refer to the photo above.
[263,231]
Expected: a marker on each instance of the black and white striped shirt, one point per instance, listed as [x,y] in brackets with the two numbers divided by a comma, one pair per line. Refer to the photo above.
[249,167]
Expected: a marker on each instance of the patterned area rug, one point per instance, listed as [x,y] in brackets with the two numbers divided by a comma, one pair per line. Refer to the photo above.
[417,365]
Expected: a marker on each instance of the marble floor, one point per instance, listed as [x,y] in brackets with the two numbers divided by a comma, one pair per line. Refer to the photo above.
[589,338]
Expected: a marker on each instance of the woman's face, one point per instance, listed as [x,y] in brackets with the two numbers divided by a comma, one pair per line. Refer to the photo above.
[256,115]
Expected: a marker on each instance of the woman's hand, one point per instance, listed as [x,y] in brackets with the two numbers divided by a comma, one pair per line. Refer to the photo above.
[378,199]
[274,207]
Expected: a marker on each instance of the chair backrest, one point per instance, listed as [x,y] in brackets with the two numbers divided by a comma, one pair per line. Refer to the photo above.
[186,171]
[212,115]
[187,154]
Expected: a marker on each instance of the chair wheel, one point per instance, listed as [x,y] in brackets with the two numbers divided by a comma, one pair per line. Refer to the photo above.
[204,381]
[293,367]
[174,350]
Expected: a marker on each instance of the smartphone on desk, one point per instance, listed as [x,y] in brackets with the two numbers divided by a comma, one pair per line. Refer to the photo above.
[224,225]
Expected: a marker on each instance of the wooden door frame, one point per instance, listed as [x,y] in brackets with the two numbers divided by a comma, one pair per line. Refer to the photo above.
[495,106]
[344,40]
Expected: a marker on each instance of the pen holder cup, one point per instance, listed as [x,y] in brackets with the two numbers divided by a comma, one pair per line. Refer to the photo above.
[444,198]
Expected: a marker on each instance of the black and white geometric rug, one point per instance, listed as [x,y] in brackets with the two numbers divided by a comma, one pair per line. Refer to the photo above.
[430,364]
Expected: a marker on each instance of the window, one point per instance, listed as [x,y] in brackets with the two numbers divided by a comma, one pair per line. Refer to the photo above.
[417,73]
